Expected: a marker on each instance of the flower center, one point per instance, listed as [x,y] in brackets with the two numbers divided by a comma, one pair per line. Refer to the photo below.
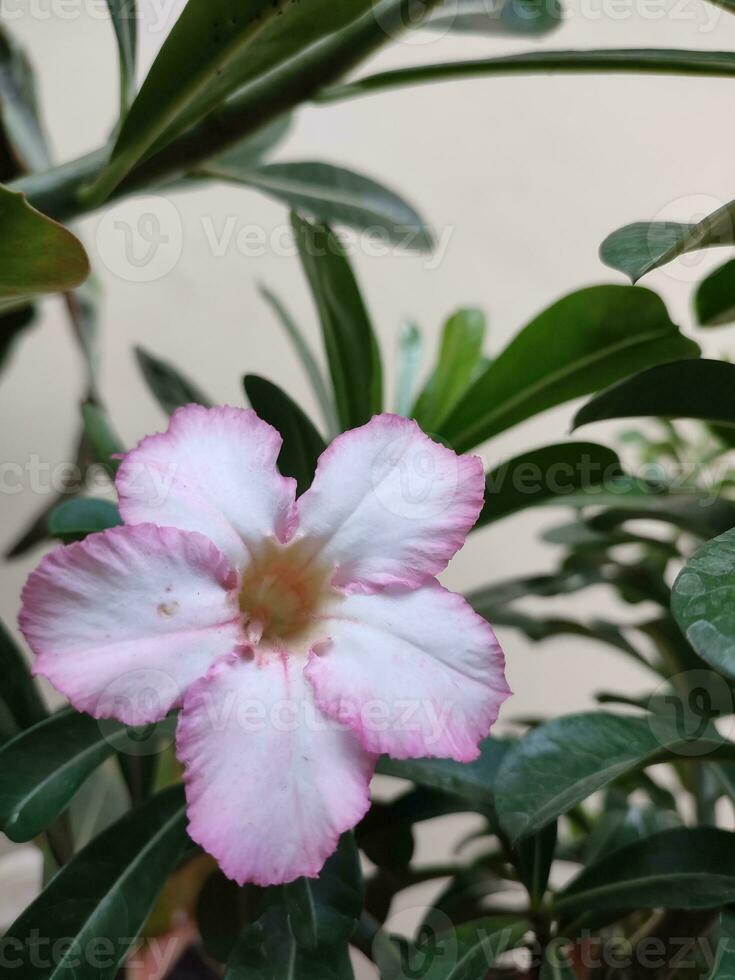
[282,590]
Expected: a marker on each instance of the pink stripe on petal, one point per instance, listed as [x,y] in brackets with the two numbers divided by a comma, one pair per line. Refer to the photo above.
[124,622]
[413,673]
[271,783]
[389,505]
[213,471]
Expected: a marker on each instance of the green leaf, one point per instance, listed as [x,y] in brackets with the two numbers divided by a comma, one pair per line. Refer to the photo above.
[302,444]
[410,344]
[333,195]
[75,519]
[43,767]
[590,338]
[696,389]
[468,951]
[552,474]
[639,248]
[19,108]
[307,359]
[724,965]
[268,951]
[659,61]
[352,350]
[102,439]
[125,23]
[714,300]
[559,764]
[166,383]
[703,602]
[459,360]
[100,900]
[505,17]
[37,255]
[556,965]
[534,857]
[473,781]
[20,693]
[250,151]
[691,868]
[13,325]
[324,911]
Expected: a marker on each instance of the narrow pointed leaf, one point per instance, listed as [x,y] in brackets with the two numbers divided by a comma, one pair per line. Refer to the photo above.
[724,965]
[307,359]
[19,108]
[102,897]
[590,339]
[703,602]
[302,444]
[459,359]
[504,17]
[75,519]
[37,255]
[104,443]
[334,195]
[43,767]
[352,350]
[410,345]
[125,23]
[470,950]
[167,384]
[559,764]
[693,389]
[552,474]
[692,868]
[643,246]
[19,691]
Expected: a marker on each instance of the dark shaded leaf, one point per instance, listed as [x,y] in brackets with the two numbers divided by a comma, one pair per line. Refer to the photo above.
[19,691]
[302,444]
[103,441]
[125,22]
[167,384]
[19,108]
[714,300]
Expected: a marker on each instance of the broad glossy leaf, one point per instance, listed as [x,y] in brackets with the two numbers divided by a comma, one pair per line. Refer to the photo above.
[352,350]
[302,444]
[104,443]
[74,519]
[125,22]
[643,246]
[267,950]
[458,363]
[100,900]
[693,389]
[324,911]
[660,61]
[590,339]
[37,255]
[467,951]
[42,768]
[703,602]
[503,17]
[473,781]
[692,868]
[714,300]
[410,345]
[167,384]
[561,763]
[19,691]
[334,195]
[19,108]
[307,359]
[551,474]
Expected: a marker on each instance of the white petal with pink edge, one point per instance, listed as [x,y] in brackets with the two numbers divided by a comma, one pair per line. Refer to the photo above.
[123,622]
[389,505]
[213,471]
[271,783]
[413,673]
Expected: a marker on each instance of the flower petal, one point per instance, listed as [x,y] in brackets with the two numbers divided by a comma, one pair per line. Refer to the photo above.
[270,782]
[213,471]
[389,505]
[413,673]
[123,622]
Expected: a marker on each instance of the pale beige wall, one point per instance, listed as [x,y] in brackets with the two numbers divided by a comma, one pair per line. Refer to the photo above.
[525,175]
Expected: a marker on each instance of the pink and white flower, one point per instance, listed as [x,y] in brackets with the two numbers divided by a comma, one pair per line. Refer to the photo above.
[300,639]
